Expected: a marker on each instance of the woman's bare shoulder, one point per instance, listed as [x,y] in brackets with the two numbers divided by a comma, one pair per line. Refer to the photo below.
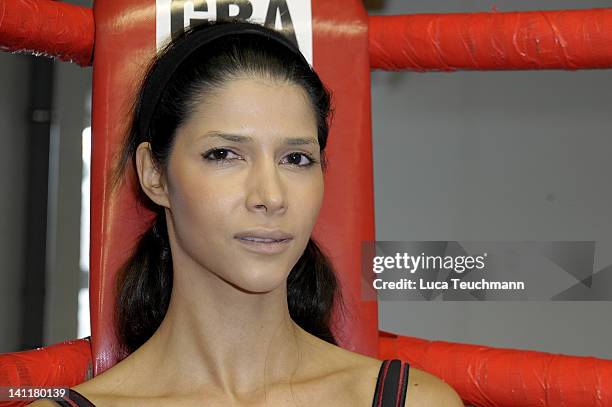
[423,389]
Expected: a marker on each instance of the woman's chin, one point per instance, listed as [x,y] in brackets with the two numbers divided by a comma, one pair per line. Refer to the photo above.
[260,282]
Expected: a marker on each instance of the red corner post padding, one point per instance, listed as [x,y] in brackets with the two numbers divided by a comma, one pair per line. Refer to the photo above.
[562,39]
[340,47]
[125,41]
[495,377]
[64,364]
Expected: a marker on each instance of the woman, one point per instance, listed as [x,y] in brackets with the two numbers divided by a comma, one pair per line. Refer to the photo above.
[226,300]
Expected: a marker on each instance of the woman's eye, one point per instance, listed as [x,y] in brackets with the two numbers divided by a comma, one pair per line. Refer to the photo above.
[222,155]
[219,155]
[301,159]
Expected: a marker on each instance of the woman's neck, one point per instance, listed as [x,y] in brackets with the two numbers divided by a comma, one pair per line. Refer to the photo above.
[218,338]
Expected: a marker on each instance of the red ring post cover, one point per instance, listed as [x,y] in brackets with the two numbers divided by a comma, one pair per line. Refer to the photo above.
[124,42]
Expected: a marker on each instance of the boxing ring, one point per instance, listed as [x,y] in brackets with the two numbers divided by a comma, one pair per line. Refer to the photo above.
[347,44]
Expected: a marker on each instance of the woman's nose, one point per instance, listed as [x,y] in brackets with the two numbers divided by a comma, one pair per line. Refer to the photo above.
[266,190]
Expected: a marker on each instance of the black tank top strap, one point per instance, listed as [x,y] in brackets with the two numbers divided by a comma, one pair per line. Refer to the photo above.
[391,384]
[79,399]
[63,403]
[74,399]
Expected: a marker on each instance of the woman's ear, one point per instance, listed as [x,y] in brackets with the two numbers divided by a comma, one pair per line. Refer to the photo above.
[151,179]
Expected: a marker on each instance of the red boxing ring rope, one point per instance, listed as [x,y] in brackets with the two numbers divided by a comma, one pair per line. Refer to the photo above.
[48,28]
[64,364]
[496,377]
[567,39]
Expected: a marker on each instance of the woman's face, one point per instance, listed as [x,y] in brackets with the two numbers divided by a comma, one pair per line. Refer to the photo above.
[246,165]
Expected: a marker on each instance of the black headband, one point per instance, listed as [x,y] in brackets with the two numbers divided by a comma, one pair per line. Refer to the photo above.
[193,40]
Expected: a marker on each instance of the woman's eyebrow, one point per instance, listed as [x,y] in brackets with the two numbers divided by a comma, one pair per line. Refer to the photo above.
[236,138]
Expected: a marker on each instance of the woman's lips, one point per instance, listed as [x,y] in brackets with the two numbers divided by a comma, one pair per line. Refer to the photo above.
[273,247]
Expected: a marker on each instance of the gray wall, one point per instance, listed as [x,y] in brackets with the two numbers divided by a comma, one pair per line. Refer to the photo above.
[72,87]
[72,104]
[63,274]
[496,156]
[13,138]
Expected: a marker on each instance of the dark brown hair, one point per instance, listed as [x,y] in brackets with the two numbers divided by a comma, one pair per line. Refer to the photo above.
[144,283]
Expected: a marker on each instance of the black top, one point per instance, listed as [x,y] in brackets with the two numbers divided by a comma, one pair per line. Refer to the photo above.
[390,390]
